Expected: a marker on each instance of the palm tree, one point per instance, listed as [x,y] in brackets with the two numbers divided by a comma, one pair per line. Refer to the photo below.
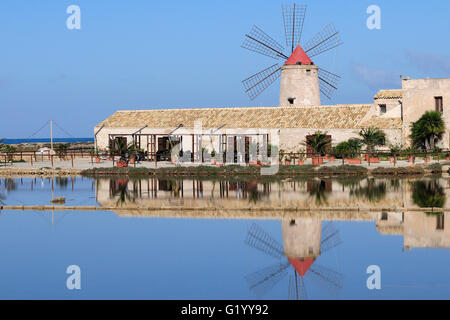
[428,130]
[319,142]
[372,138]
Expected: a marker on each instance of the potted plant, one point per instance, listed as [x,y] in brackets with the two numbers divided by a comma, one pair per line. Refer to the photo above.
[447,156]
[372,138]
[213,157]
[287,160]
[301,156]
[280,156]
[320,143]
[349,151]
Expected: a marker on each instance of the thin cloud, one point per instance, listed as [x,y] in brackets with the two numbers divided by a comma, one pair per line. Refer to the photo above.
[376,78]
[428,62]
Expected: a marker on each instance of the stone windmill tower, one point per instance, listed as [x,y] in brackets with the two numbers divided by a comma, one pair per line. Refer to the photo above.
[302,82]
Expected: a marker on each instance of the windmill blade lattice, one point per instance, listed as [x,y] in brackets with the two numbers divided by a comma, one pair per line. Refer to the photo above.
[323,41]
[258,82]
[328,82]
[293,20]
[259,239]
[297,288]
[258,41]
[330,237]
[260,282]
[329,279]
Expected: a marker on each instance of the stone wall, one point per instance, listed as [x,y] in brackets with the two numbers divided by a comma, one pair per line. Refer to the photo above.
[418,97]
[301,83]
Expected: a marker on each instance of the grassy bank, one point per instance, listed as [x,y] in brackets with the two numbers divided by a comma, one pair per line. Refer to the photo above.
[283,171]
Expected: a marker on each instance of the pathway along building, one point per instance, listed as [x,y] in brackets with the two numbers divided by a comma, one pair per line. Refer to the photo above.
[238,130]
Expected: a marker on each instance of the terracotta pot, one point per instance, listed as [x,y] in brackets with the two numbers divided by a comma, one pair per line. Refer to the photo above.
[317,160]
[219,164]
[331,159]
[132,160]
[353,161]
[287,162]
[447,158]
[253,163]
[213,161]
[411,159]
[426,160]
[122,164]
[97,160]
[366,157]
[300,162]
[374,160]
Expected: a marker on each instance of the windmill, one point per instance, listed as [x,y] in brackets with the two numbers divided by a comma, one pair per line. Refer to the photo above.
[301,80]
[304,240]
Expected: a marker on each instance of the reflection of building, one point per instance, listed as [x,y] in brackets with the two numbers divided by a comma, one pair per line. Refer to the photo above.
[225,199]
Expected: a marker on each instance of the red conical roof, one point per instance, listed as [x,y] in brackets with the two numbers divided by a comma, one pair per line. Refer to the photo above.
[301,265]
[298,57]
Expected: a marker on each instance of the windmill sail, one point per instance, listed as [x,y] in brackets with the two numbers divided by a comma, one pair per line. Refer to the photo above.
[328,82]
[293,20]
[323,41]
[260,81]
[329,279]
[258,41]
[330,237]
[259,239]
[260,282]
[296,289]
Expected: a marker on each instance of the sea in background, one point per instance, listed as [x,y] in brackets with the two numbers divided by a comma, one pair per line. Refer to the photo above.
[47,140]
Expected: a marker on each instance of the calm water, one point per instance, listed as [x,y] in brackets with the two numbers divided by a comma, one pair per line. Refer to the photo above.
[216,250]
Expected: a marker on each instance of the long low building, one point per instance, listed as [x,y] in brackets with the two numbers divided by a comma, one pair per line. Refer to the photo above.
[222,129]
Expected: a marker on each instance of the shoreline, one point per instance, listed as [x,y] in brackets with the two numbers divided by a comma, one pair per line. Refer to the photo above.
[235,171]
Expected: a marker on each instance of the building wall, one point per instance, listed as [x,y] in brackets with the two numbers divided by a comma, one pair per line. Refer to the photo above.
[291,139]
[300,82]
[390,104]
[418,97]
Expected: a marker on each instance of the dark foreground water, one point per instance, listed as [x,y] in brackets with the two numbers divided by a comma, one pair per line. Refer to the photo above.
[225,254]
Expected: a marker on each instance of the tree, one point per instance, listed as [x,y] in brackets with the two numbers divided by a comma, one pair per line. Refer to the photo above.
[319,142]
[372,138]
[428,130]
[350,148]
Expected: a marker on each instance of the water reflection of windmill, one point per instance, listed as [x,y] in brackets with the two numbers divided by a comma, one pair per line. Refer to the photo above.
[304,240]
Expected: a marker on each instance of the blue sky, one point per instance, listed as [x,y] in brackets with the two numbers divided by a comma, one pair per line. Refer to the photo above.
[160,54]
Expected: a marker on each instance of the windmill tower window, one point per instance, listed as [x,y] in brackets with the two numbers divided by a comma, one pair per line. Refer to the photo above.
[291,101]
[308,72]
[439,104]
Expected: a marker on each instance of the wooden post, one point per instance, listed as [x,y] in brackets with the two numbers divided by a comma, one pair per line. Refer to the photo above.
[51,157]
[31,158]
[71,156]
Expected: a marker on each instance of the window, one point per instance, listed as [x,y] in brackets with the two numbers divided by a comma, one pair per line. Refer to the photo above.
[308,72]
[384,216]
[382,108]
[438,104]
[440,222]
[291,101]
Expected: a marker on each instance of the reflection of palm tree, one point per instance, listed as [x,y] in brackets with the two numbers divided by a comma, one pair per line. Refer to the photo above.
[62,182]
[265,279]
[373,191]
[318,190]
[428,194]
[121,190]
